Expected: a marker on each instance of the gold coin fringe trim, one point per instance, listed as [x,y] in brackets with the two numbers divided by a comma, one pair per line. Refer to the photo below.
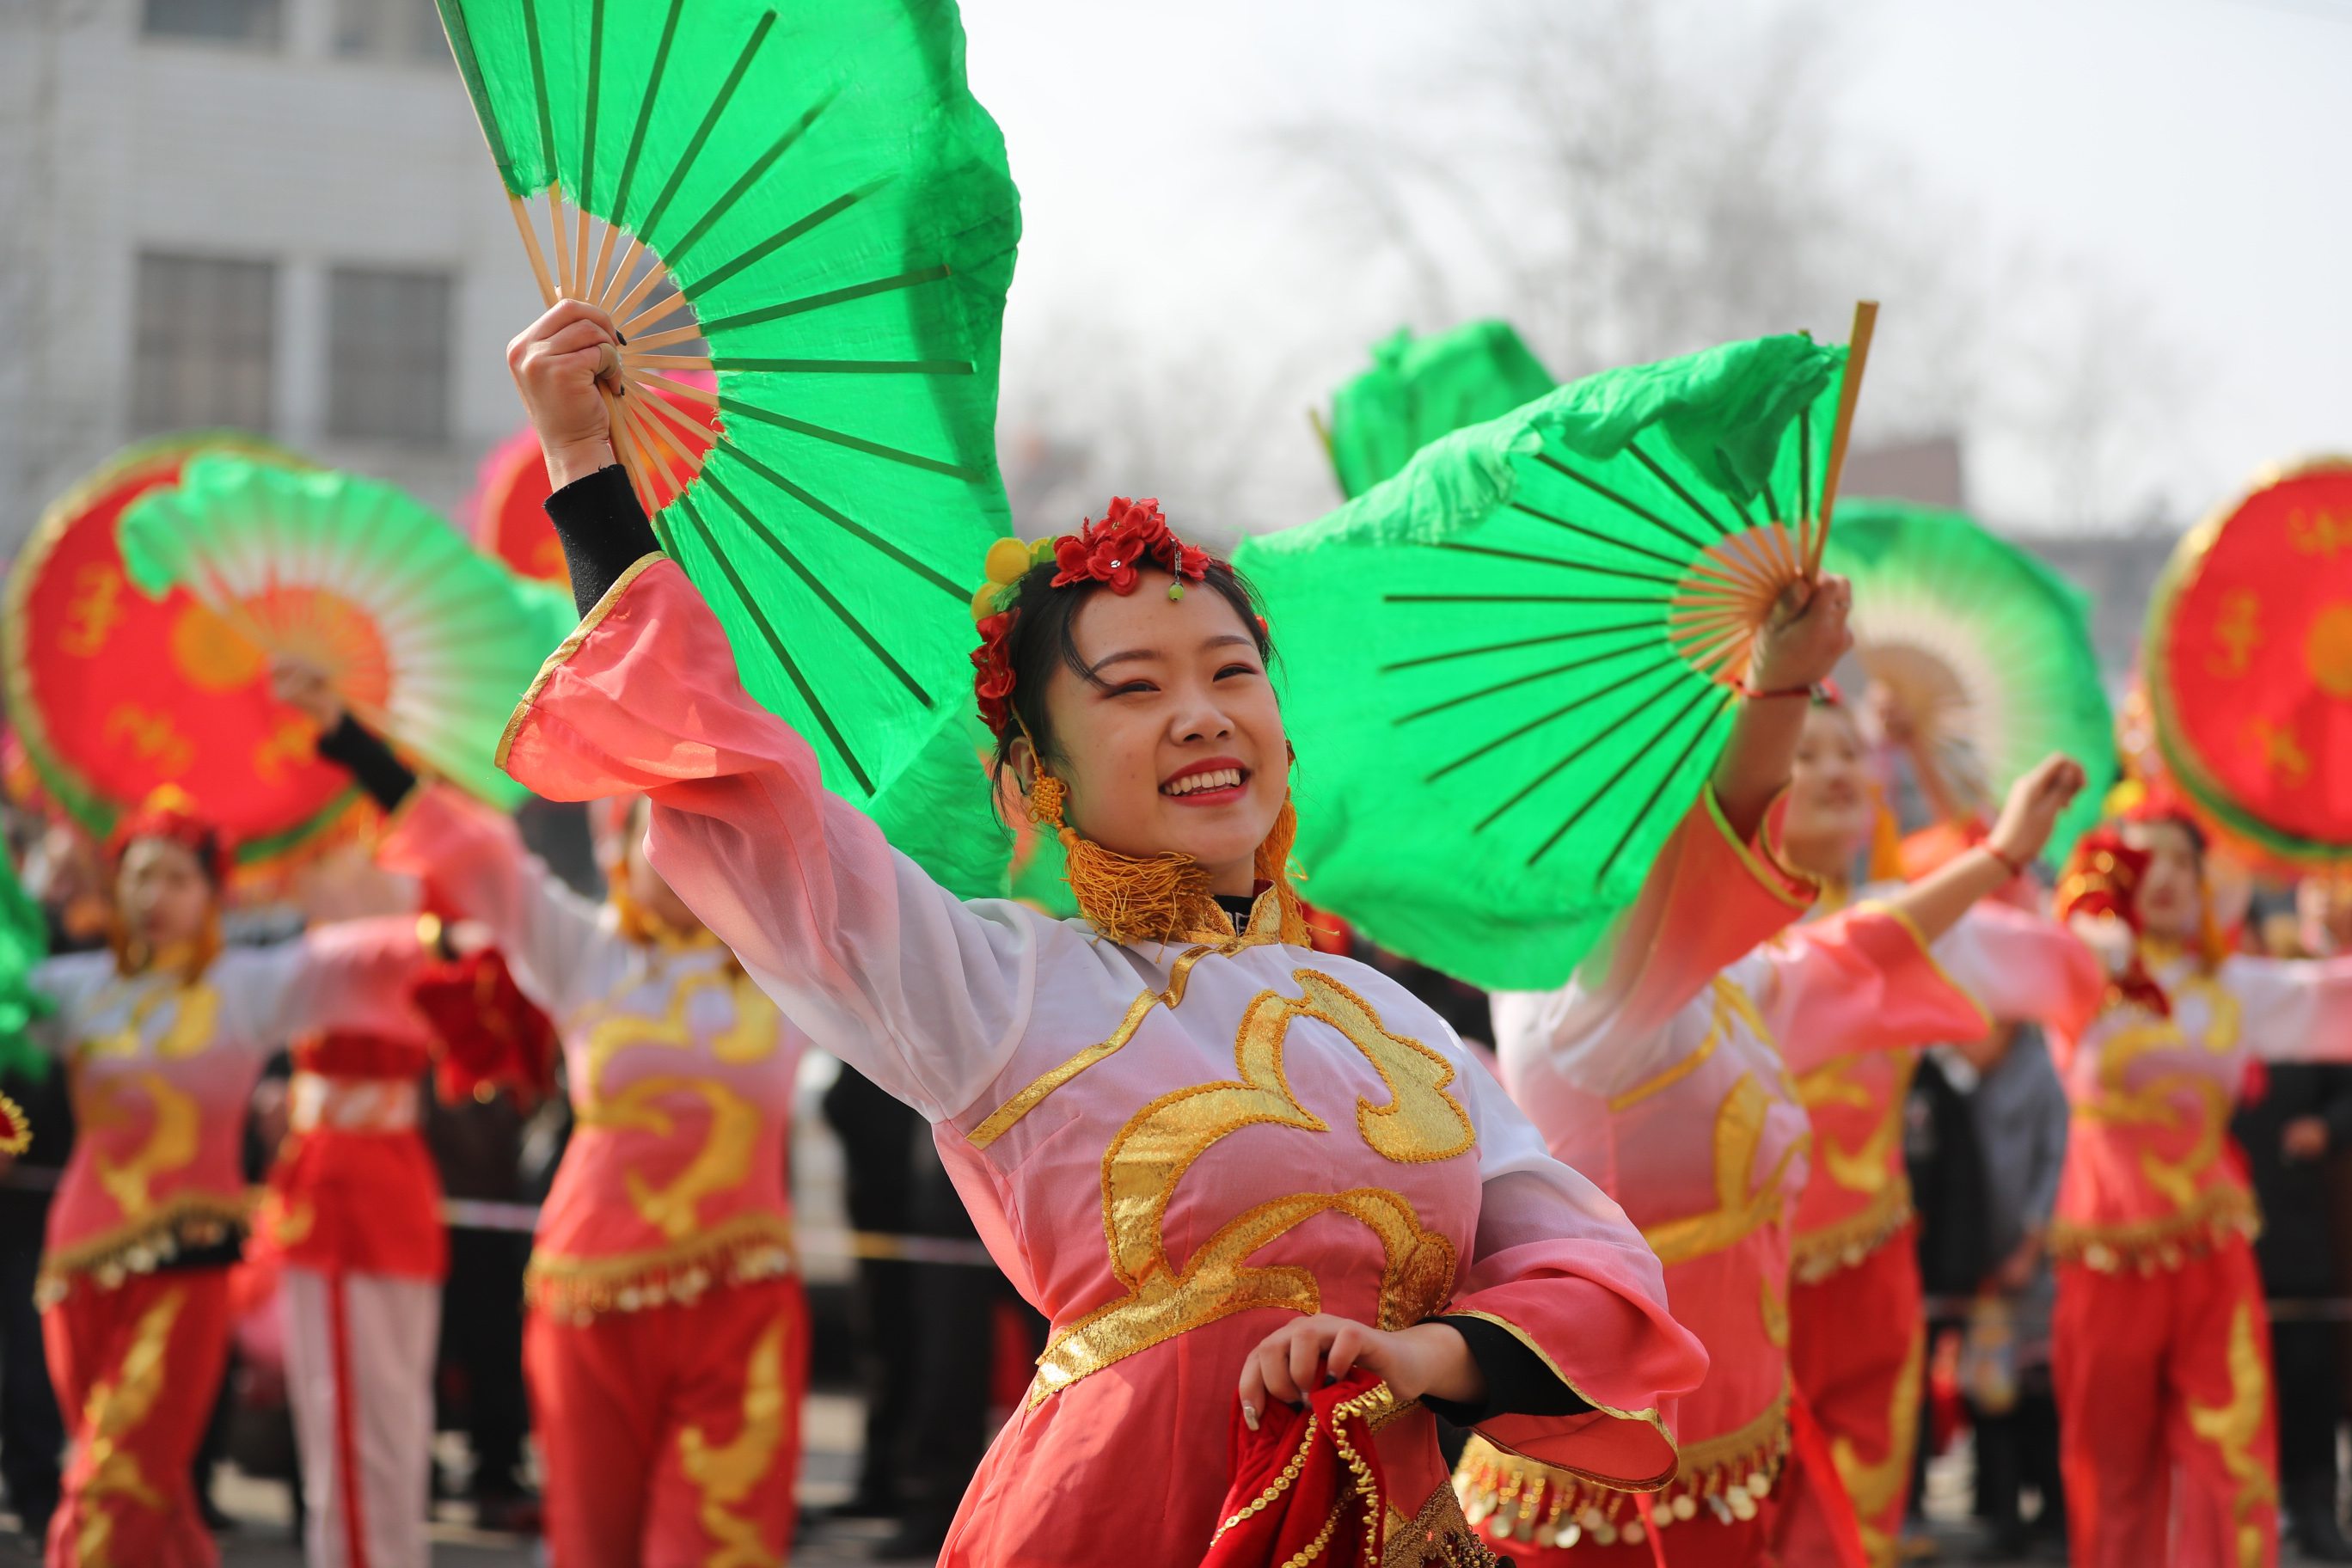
[191,1222]
[1519,1499]
[2219,1216]
[745,1249]
[1815,1255]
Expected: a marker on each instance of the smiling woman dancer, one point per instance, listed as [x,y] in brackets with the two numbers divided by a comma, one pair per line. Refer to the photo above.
[1212,1156]
[1665,1065]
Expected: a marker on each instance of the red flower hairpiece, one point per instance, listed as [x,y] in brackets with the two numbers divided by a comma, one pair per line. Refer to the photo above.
[1131,536]
[170,815]
[1114,552]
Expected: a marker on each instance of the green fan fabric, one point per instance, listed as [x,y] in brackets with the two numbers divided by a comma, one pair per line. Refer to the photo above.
[1989,647]
[1496,729]
[428,638]
[937,812]
[24,943]
[836,208]
[1417,389]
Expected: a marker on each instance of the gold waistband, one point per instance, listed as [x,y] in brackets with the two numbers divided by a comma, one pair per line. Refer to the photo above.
[2151,1245]
[737,1251]
[1814,1255]
[141,1246]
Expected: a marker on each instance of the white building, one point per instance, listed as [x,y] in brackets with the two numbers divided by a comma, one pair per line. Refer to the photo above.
[276,214]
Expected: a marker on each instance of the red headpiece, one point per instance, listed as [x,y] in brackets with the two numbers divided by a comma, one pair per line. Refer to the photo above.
[1115,552]
[170,815]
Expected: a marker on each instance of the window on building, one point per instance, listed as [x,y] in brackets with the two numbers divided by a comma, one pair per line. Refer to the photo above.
[258,21]
[201,343]
[388,355]
[390,30]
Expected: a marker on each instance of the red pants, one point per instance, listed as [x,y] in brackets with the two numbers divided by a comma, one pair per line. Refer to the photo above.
[1858,1348]
[2167,1435]
[671,1436]
[136,1369]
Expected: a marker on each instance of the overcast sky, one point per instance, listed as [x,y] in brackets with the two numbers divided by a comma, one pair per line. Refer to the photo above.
[2197,153]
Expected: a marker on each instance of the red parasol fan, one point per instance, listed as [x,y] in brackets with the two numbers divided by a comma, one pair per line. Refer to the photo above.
[2248,665]
[505,513]
[114,695]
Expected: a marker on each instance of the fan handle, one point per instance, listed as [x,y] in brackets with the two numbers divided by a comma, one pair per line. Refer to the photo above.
[1857,357]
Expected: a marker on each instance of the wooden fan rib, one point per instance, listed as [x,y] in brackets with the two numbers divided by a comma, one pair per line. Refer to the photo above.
[539,88]
[1517,645]
[1582,699]
[776,645]
[1570,668]
[646,342]
[1577,528]
[649,444]
[688,429]
[844,366]
[1667,479]
[1610,782]
[1541,779]
[1648,805]
[644,120]
[641,323]
[683,389]
[1636,508]
[694,147]
[556,238]
[785,237]
[635,361]
[831,296]
[855,443]
[1857,359]
[1618,599]
[1490,551]
[621,270]
[816,585]
[587,289]
[546,294]
[624,450]
[743,186]
[857,530]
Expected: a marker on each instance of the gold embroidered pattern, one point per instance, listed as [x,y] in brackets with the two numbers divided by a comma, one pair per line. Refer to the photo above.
[726,1474]
[1148,1159]
[196,1014]
[1739,1209]
[1867,1166]
[1730,1002]
[116,1407]
[1436,1537]
[1874,1486]
[171,1143]
[1773,1307]
[751,1037]
[2233,1427]
[721,1165]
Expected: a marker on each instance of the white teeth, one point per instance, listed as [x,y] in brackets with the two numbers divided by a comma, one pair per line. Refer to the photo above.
[1192,783]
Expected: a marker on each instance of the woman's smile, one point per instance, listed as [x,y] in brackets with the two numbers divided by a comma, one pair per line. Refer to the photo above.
[1215,780]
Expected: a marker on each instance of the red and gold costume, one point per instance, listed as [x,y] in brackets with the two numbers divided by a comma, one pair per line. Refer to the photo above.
[1270,1130]
[1666,1067]
[666,1345]
[353,1208]
[135,1274]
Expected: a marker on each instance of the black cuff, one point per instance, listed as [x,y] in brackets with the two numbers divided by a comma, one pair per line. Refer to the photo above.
[363,753]
[1518,1381]
[603,530]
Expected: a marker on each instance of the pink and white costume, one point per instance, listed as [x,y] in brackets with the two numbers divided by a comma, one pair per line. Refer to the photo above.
[1168,1148]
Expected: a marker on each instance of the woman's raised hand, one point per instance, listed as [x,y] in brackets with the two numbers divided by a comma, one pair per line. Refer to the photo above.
[557,362]
[1803,639]
[2033,808]
[1428,1358]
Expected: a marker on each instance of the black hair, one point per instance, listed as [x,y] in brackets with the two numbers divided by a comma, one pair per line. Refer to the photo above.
[1044,634]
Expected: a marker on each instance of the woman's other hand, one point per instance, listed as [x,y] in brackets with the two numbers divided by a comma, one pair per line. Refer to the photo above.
[1293,1361]
[304,687]
[557,362]
[2033,808]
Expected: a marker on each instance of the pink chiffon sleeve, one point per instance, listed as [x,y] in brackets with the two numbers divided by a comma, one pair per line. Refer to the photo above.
[1560,1267]
[352,975]
[1708,901]
[2293,1010]
[474,858]
[2019,965]
[869,956]
[1859,981]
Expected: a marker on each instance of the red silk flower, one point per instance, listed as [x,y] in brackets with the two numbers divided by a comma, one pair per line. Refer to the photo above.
[1131,536]
[993,670]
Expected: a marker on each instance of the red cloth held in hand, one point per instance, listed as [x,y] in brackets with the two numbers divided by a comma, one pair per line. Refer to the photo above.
[1304,1479]
[490,1032]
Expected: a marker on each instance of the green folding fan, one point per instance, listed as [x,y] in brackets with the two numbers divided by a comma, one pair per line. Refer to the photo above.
[1417,390]
[1990,649]
[1512,666]
[24,943]
[430,642]
[804,199]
